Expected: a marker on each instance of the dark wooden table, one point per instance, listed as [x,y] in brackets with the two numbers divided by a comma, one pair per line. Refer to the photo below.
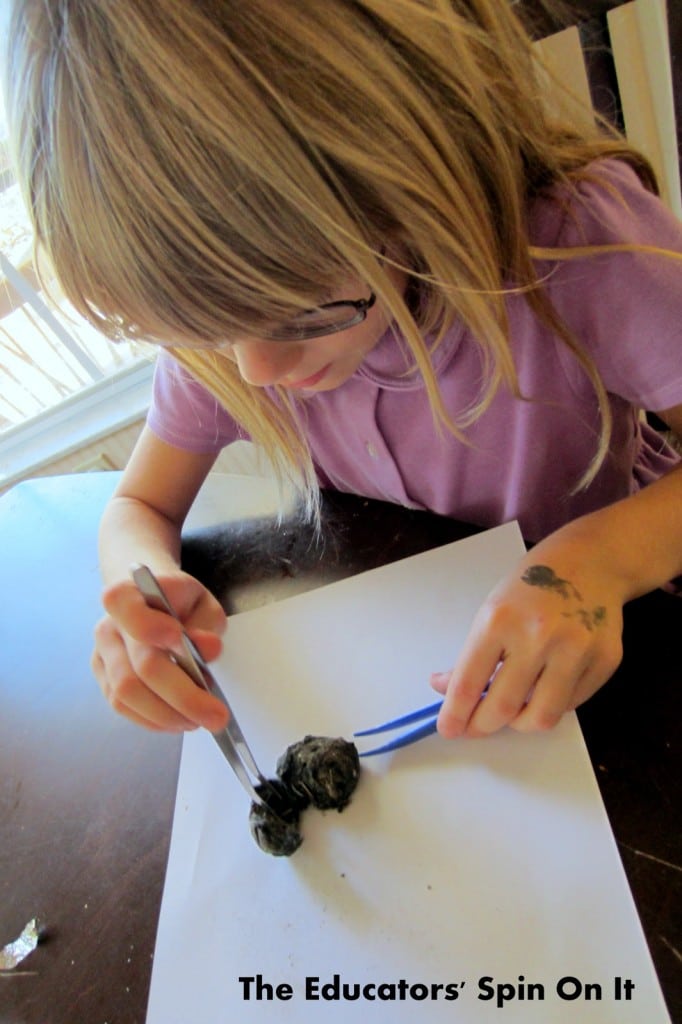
[86,800]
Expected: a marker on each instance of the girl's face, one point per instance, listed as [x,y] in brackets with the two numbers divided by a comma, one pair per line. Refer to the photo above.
[319,364]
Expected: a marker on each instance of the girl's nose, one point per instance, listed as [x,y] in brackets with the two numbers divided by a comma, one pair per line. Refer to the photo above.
[264,363]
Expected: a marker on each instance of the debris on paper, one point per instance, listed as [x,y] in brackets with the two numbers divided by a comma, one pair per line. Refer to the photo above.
[14,952]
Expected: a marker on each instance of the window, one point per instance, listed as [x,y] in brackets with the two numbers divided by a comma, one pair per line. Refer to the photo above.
[61,382]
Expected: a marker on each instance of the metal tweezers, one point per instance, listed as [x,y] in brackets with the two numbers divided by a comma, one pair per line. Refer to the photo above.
[231,739]
[430,713]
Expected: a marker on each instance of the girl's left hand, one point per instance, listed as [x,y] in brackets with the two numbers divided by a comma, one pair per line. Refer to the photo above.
[547,637]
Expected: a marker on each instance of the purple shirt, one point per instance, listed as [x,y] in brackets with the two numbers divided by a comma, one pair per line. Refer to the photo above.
[374,435]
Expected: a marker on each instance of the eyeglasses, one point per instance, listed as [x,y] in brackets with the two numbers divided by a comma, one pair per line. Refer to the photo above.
[329,318]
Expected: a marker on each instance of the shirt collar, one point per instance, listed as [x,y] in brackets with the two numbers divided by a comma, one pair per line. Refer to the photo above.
[390,364]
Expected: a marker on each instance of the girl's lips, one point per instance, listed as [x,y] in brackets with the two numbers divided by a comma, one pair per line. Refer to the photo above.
[309,382]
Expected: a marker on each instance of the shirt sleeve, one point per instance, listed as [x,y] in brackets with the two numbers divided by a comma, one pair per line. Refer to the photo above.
[184,414]
[625,308]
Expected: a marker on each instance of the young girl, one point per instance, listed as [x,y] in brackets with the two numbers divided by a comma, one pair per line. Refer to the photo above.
[362,241]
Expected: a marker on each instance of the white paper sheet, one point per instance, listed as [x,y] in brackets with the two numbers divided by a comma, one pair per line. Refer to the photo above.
[469,864]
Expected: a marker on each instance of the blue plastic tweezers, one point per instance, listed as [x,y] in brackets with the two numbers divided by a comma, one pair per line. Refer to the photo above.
[428,713]
[427,728]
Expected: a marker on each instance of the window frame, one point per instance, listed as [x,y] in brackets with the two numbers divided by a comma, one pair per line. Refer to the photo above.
[96,412]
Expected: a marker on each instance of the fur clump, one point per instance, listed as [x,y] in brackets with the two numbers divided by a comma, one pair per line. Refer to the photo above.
[318,770]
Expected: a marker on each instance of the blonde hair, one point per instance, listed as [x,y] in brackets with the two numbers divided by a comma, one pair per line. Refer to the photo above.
[196,169]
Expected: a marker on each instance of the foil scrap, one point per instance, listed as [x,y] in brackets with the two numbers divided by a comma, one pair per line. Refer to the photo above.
[14,952]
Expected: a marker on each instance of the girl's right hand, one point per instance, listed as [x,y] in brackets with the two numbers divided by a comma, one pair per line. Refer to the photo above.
[131,659]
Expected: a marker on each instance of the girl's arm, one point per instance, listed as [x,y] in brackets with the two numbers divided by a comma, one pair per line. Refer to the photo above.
[550,633]
[142,523]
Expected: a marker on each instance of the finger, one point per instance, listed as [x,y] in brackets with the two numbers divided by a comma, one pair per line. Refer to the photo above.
[196,606]
[567,681]
[468,680]
[551,698]
[131,716]
[507,695]
[100,673]
[149,685]
[124,603]
[439,681]
[207,614]
[208,644]
[164,679]
[128,696]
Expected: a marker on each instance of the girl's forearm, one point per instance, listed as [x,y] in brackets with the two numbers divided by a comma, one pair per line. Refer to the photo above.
[637,539]
[143,520]
[131,531]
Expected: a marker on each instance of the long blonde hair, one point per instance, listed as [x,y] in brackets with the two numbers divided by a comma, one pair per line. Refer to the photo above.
[196,169]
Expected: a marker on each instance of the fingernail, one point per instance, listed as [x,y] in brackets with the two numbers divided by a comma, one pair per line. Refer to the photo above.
[439,680]
[216,723]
